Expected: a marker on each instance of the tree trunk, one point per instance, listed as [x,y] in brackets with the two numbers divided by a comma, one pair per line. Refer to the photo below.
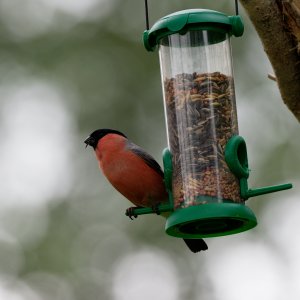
[277,23]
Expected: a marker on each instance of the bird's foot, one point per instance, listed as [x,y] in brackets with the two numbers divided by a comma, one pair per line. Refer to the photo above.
[155,208]
[130,212]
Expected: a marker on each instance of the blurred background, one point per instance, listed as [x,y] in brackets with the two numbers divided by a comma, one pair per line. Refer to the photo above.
[69,67]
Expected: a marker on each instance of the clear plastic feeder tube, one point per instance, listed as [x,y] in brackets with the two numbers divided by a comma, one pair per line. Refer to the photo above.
[200,110]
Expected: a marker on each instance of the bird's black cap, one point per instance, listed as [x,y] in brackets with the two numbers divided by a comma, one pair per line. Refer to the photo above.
[93,139]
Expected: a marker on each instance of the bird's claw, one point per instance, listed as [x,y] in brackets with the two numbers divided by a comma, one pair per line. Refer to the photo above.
[130,212]
[155,208]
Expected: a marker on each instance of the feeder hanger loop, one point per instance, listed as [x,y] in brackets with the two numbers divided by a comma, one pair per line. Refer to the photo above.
[236,5]
[147,15]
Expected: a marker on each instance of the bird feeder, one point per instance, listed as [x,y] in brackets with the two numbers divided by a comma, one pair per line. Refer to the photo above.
[205,165]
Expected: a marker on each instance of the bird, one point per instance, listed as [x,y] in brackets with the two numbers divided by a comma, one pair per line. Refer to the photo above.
[132,172]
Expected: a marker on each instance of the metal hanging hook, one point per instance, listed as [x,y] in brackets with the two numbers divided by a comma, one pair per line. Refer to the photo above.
[147,14]
[236,2]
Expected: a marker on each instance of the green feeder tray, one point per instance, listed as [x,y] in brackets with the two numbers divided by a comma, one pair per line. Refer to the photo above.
[210,220]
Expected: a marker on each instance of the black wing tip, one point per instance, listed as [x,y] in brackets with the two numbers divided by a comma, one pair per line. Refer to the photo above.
[196,245]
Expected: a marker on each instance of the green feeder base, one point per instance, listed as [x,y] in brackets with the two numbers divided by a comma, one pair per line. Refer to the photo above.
[210,220]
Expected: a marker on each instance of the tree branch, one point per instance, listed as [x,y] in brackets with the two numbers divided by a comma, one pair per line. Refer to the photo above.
[277,23]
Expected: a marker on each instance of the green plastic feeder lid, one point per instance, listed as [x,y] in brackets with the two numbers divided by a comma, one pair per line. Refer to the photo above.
[192,19]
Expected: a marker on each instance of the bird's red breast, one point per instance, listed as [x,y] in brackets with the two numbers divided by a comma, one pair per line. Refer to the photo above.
[129,173]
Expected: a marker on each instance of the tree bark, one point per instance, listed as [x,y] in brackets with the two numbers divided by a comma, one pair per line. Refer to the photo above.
[277,23]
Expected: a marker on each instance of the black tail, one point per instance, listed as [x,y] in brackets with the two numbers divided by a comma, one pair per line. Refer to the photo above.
[196,245]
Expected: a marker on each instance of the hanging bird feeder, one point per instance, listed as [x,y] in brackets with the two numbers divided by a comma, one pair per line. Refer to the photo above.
[206,165]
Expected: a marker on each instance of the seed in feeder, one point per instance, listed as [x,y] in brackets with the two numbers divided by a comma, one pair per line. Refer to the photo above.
[201,119]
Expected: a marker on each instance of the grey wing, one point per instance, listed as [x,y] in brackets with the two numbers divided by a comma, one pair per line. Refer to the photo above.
[147,158]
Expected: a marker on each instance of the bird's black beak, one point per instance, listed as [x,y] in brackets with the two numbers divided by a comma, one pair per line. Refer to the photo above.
[90,141]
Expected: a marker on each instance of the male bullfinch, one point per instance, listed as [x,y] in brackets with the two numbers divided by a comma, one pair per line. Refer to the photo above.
[133,172]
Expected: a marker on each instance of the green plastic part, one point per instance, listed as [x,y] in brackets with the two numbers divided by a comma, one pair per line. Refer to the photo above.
[192,19]
[168,172]
[268,189]
[237,161]
[236,156]
[168,168]
[210,220]
[244,187]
